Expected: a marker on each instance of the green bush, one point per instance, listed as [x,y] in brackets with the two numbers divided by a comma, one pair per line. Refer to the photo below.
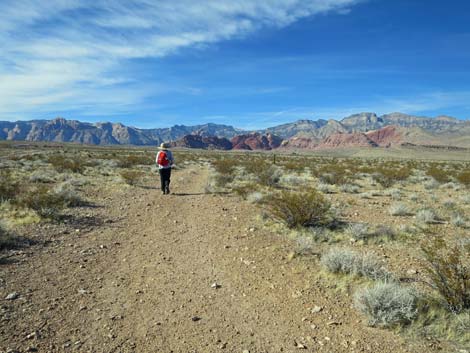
[438,173]
[449,270]
[464,178]
[131,177]
[63,163]
[8,186]
[7,240]
[387,304]
[44,201]
[133,160]
[300,209]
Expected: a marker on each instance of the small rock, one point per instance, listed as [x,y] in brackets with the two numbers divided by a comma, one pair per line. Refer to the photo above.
[12,296]
[316,309]
[411,272]
[333,323]
[196,318]
[215,285]
[246,351]
[299,345]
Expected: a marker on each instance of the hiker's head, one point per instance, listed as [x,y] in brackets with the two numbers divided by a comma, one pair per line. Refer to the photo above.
[164,146]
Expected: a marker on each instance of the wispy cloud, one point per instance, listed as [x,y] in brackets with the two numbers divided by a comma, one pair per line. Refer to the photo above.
[65,54]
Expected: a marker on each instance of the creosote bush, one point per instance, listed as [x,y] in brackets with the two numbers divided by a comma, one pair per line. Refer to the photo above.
[300,209]
[7,240]
[387,304]
[8,186]
[448,267]
[44,201]
[131,177]
[464,178]
[63,163]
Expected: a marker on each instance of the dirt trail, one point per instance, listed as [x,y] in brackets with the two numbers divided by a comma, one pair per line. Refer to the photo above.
[142,282]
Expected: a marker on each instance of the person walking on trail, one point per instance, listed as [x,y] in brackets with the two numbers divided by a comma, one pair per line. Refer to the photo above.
[164,162]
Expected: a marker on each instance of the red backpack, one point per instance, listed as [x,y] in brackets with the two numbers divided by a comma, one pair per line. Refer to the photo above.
[163,159]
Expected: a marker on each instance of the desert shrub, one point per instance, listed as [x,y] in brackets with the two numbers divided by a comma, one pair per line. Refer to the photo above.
[43,176]
[349,188]
[387,304]
[44,201]
[8,186]
[431,184]
[69,194]
[389,176]
[426,216]
[358,231]
[300,209]
[131,177]
[399,209]
[269,176]
[384,231]
[325,188]
[225,171]
[438,174]
[464,178]
[243,190]
[63,163]
[225,166]
[264,173]
[448,267]
[465,199]
[303,245]
[255,197]
[395,194]
[414,197]
[348,262]
[450,204]
[333,178]
[133,160]
[458,221]
[7,240]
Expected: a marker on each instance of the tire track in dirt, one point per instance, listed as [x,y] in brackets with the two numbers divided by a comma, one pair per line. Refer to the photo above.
[146,284]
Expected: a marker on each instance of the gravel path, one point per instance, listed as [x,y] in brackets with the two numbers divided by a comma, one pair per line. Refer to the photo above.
[188,272]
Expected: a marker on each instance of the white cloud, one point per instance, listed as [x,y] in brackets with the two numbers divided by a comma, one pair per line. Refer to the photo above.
[75,52]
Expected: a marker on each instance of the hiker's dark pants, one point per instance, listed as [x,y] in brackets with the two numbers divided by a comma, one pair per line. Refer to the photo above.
[165,174]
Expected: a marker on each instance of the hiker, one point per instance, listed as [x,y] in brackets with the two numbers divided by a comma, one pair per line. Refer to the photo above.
[164,162]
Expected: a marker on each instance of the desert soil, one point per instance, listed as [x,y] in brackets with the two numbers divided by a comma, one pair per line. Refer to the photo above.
[187,272]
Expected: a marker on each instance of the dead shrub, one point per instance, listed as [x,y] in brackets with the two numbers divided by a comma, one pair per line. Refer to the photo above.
[300,209]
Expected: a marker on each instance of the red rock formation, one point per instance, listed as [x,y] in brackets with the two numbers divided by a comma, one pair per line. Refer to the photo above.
[386,137]
[300,142]
[256,141]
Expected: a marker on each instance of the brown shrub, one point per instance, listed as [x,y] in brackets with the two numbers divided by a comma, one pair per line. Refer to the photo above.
[63,163]
[44,201]
[131,177]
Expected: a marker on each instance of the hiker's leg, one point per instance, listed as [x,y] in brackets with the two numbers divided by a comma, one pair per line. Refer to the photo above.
[167,180]
[162,179]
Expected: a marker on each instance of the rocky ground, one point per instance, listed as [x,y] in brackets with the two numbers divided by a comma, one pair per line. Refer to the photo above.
[188,272]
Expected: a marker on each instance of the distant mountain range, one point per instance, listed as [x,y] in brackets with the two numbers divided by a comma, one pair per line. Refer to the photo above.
[364,129]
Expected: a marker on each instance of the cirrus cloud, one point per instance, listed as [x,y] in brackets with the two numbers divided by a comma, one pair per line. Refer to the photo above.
[67,54]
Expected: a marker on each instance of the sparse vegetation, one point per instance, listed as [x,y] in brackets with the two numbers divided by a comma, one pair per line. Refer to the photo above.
[387,304]
[130,176]
[348,262]
[300,209]
[448,267]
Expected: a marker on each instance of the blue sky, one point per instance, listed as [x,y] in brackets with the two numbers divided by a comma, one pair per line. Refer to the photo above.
[246,63]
